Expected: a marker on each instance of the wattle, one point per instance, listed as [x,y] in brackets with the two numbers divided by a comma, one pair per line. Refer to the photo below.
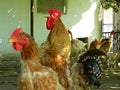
[49,23]
[17,46]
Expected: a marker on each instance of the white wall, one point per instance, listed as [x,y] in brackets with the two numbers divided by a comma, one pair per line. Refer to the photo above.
[82,14]
[13,13]
[81,17]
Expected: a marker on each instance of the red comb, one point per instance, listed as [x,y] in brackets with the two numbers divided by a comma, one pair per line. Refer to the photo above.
[112,32]
[16,32]
[53,11]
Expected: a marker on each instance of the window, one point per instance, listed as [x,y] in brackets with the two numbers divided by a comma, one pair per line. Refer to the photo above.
[107,24]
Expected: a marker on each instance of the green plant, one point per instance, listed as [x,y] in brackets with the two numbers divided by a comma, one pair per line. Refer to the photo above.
[115,4]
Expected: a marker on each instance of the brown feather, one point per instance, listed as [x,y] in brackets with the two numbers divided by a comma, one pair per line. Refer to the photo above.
[59,39]
[35,76]
[58,51]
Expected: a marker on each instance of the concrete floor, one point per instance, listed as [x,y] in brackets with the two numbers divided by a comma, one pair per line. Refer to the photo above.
[111,81]
[10,69]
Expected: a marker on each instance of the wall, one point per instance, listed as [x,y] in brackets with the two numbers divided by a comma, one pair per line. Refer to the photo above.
[117,20]
[81,17]
[13,13]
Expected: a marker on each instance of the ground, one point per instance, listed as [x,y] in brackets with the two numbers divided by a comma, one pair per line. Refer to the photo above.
[111,81]
[10,69]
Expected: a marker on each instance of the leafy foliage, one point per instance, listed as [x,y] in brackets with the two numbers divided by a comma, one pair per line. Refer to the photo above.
[115,4]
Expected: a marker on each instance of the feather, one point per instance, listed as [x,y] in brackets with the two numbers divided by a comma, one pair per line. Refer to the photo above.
[93,65]
[94,52]
[34,76]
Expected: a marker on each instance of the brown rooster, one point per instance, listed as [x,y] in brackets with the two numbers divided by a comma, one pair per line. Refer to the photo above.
[34,76]
[56,50]
[105,44]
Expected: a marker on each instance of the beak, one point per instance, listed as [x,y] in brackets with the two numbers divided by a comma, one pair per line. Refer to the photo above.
[11,40]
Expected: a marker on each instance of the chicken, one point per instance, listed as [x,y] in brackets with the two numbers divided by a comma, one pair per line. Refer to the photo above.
[105,44]
[34,76]
[58,37]
[56,50]
[94,44]
[92,63]
[78,47]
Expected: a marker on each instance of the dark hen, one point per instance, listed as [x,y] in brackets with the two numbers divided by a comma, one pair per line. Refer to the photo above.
[92,62]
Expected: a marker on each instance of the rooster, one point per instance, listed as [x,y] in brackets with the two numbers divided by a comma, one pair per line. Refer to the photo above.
[34,76]
[92,63]
[56,50]
[105,44]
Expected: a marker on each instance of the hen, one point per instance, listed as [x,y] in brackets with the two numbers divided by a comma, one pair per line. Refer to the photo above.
[34,76]
[94,44]
[56,50]
[92,62]
[78,47]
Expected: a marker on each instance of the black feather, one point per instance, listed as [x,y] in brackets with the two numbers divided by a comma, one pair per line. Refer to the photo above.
[92,65]
[94,80]
[93,52]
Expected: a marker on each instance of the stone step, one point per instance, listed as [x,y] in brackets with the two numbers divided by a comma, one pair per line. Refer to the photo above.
[10,62]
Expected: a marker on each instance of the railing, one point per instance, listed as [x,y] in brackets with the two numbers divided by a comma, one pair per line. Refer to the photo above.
[115,47]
